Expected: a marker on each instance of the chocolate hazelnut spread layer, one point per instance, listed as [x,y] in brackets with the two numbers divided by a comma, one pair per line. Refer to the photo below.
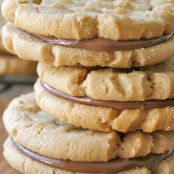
[111,104]
[102,44]
[118,165]
[66,56]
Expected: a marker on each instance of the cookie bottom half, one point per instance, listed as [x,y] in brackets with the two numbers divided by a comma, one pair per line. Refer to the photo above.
[41,133]
[20,43]
[27,165]
[104,119]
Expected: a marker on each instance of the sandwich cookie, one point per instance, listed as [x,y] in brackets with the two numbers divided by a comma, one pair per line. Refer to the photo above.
[95,107]
[18,160]
[105,118]
[34,134]
[114,100]
[9,64]
[87,39]
[156,82]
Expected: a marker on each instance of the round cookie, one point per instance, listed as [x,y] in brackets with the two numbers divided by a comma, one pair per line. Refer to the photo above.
[79,20]
[40,133]
[17,160]
[9,65]
[155,82]
[103,118]
[20,43]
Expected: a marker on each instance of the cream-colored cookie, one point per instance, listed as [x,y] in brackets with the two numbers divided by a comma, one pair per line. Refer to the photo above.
[11,65]
[20,43]
[18,161]
[104,119]
[156,82]
[26,165]
[74,19]
[9,7]
[2,49]
[40,133]
[2,22]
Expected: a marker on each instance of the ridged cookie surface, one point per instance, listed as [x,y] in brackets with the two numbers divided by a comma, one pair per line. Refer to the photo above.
[74,19]
[155,82]
[103,118]
[10,64]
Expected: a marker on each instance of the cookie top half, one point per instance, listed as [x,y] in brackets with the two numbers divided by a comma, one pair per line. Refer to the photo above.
[141,84]
[74,19]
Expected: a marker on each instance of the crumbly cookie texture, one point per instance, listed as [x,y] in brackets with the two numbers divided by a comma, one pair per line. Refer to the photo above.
[27,166]
[156,82]
[74,19]
[20,43]
[2,49]
[104,119]
[2,22]
[40,133]
[10,65]
[9,7]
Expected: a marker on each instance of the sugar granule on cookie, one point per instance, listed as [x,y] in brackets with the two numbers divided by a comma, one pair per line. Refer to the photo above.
[104,99]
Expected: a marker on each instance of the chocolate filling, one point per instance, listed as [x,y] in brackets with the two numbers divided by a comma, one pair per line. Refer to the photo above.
[150,104]
[113,166]
[102,44]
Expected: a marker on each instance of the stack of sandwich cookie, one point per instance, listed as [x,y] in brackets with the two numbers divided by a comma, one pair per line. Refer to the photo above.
[103,102]
[10,64]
